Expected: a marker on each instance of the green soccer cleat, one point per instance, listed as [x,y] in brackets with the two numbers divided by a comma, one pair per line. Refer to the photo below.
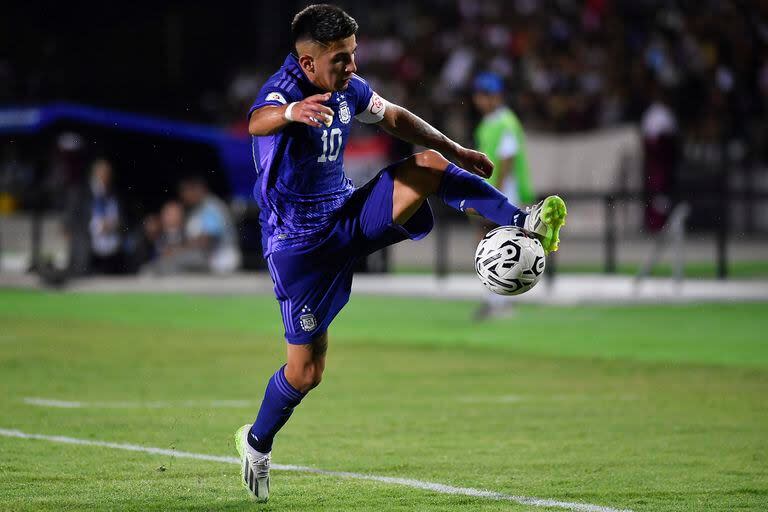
[545,220]
[255,466]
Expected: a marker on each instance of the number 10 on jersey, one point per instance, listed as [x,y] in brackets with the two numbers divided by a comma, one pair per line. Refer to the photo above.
[331,145]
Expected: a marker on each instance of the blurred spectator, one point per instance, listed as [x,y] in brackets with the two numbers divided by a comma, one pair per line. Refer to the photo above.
[171,236]
[92,223]
[208,242]
[660,145]
[500,136]
[91,216]
[104,224]
[143,243]
[209,226]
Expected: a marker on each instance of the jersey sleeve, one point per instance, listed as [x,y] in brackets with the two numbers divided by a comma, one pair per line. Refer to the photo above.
[274,94]
[369,106]
[508,145]
[363,93]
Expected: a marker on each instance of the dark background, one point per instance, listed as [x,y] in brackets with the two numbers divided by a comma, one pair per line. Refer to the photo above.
[158,57]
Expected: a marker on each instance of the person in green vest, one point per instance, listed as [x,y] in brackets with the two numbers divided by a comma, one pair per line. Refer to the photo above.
[500,136]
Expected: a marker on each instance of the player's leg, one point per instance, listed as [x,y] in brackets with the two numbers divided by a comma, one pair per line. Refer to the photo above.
[429,173]
[306,364]
[285,390]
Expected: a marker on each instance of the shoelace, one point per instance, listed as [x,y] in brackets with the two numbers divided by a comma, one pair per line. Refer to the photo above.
[261,466]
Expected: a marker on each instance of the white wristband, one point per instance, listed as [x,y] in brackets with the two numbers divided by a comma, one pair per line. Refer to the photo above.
[287,114]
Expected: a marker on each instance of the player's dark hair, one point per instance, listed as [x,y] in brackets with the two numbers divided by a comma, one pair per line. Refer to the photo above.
[323,23]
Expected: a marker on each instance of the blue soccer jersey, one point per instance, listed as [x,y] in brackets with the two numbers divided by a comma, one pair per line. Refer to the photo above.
[300,170]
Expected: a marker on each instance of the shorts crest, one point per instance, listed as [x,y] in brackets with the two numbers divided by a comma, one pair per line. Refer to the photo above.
[307,320]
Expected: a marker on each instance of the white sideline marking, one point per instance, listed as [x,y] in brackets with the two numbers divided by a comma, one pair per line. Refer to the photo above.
[65,404]
[407,482]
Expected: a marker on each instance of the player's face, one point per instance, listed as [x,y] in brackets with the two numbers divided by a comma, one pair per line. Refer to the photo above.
[335,65]
[481,102]
[485,102]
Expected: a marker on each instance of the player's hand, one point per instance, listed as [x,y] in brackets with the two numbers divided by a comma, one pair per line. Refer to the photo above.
[311,111]
[475,162]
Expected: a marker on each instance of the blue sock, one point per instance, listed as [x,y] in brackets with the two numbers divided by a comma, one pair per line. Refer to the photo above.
[279,400]
[461,189]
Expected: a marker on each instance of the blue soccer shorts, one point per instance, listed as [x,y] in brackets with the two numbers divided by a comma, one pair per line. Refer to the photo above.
[313,281]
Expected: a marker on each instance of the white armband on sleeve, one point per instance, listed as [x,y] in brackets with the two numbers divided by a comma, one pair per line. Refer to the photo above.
[374,112]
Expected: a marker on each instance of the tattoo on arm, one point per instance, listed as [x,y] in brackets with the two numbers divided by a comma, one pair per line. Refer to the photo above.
[409,127]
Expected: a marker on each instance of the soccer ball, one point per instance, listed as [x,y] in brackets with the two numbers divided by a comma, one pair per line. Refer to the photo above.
[509,261]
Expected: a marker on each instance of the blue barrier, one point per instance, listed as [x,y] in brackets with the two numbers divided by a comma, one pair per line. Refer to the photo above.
[234,152]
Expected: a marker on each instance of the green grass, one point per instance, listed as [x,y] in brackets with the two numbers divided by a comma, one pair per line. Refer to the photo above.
[648,408]
[693,269]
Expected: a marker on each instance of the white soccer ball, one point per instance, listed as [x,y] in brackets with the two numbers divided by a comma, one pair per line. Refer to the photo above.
[509,261]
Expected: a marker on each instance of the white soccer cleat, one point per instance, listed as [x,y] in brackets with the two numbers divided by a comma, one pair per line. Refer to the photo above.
[545,220]
[255,466]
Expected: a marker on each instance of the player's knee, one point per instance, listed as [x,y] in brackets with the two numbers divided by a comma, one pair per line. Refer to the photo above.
[430,159]
[315,379]
[422,172]
[306,378]
[311,379]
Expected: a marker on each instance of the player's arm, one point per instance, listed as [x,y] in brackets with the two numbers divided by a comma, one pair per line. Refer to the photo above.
[504,169]
[405,125]
[271,119]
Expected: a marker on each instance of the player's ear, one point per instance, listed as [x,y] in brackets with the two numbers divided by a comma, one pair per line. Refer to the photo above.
[307,63]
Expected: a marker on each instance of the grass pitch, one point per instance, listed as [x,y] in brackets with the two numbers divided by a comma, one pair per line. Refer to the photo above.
[645,408]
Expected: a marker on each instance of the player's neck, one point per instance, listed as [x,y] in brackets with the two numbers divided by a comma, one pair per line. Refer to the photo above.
[499,109]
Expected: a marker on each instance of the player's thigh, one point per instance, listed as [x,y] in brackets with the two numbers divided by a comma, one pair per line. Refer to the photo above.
[373,219]
[415,178]
[312,284]
[310,353]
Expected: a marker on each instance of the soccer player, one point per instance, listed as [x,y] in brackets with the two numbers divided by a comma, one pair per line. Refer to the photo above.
[500,136]
[316,224]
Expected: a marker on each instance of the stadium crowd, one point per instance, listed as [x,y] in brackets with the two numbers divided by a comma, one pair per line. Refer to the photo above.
[575,66]
[569,65]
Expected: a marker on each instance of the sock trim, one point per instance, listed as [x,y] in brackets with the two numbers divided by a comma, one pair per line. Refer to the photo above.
[518,219]
[285,388]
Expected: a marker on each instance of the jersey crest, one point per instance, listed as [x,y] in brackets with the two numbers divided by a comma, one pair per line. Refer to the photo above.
[344,115]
